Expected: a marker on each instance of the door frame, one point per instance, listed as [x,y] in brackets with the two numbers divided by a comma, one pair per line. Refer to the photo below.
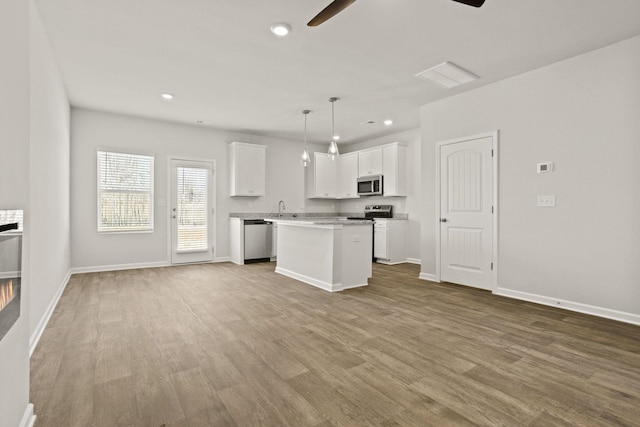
[214,206]
[494,135]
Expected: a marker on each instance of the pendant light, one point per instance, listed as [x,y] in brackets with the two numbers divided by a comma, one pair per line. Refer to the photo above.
[305,159]
[333,147]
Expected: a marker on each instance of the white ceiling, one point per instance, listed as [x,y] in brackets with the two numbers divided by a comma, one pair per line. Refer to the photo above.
[226,68]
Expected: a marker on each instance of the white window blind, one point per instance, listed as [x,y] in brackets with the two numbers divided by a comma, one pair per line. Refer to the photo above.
[193,211]
[11,216]
[125,192]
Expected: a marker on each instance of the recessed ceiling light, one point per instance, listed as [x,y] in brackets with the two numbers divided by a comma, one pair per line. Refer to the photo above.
[388,122]
[336,137]
[166,95]
[280,30]
[447,75]
[368,122]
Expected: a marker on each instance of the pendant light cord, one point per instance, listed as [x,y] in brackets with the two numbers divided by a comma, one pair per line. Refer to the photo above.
[333,120]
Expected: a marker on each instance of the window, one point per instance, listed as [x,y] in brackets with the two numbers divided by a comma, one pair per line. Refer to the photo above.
[11,216]
[193,209]
[125,192]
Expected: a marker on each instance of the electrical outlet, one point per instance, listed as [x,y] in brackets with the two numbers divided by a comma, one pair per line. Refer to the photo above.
[546,201]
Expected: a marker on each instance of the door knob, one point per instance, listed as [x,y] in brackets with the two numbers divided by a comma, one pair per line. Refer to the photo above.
[173,216]
[443,219]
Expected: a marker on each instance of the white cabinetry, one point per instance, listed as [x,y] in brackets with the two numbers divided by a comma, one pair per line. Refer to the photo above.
[322,180]
[394,169]
[247,165]
[370,162]
[348,176]
[236,240]
[332,179]
[390,241]
[337,179]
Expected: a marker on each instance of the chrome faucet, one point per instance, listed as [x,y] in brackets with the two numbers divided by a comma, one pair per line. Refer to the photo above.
[281,208]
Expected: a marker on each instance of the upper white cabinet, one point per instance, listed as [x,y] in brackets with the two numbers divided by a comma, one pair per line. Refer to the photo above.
[338,179]
[322,177]
[332,179]
[370,162]
[394,169]
[247,165]
[348,176]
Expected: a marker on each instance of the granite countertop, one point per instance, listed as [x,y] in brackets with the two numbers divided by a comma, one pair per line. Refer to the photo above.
[308,215]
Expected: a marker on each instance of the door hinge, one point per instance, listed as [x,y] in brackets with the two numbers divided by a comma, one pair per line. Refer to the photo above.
[492,266]
[491,209]
[492,153]
[213,210]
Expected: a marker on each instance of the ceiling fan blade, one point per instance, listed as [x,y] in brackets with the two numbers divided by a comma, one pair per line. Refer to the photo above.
[330,11]
[474,3]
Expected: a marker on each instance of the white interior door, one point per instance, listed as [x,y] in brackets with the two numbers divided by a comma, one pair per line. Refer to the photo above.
[466,212]
[191,211]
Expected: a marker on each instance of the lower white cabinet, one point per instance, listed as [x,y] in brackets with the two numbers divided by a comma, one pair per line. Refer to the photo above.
[274,242]
[390,241]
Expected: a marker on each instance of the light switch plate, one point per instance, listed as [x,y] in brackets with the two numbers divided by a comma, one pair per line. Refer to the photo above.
[546,201]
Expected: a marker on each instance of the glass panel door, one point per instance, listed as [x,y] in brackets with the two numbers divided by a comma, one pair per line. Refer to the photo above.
[191,211]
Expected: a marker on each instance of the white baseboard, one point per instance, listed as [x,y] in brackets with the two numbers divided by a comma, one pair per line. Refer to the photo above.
[222,259]
[42,324]
[114,267]
[315,282]
[571,305]
[430,277]
[381,261]
[414,261]
[28,419]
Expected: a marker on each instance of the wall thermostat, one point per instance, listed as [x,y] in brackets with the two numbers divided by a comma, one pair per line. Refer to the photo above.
[545,167]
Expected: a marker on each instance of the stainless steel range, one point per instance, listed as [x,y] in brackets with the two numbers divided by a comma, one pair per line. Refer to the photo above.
[378,211]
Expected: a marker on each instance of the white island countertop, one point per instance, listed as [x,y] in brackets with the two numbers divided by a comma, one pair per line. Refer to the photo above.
[332,221]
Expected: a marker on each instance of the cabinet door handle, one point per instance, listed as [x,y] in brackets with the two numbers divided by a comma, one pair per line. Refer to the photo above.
[443,219]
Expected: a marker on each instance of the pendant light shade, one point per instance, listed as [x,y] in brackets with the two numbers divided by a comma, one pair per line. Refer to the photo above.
[305,159]
[333,150]
[333,146]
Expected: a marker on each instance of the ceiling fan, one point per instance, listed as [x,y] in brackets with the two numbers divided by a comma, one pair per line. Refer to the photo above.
[338,6]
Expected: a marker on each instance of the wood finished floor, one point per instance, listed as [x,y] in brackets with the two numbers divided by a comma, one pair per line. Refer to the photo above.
[225,345]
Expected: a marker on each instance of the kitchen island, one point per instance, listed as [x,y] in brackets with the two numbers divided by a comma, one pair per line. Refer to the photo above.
[331,254]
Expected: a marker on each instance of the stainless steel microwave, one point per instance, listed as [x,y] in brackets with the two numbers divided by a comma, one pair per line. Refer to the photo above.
[370,185]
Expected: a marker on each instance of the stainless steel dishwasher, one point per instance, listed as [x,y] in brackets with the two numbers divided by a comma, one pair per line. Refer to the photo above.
[258,237]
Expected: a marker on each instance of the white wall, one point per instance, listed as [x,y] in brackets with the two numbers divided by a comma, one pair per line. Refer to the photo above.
[410,204]
[14,194]
[582,114]
[91,130]
[50,254]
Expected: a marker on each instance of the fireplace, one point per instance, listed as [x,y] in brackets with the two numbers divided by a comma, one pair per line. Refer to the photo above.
[10,275]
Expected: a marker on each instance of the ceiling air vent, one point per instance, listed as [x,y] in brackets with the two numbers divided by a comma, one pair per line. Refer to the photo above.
[447,75]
